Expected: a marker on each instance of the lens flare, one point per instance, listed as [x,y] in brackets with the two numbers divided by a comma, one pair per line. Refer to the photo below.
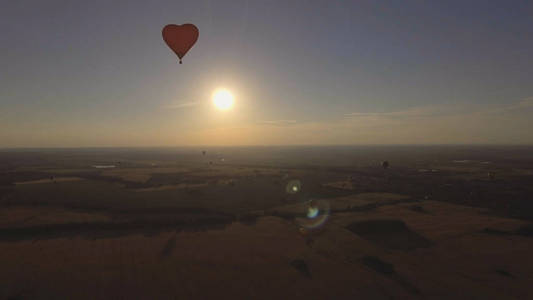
[312,212]
[316,214]
[293,186]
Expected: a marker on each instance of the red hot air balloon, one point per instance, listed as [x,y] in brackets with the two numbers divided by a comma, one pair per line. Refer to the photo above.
[180,38]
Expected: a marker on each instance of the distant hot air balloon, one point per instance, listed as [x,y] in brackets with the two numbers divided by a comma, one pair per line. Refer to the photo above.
[385,164]
[203,152]
[180,38]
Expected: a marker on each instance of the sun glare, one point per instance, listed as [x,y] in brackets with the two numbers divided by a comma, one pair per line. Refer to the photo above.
[223,99]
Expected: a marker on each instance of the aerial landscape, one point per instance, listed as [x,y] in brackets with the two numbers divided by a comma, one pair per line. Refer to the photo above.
[266,149]
[451,220]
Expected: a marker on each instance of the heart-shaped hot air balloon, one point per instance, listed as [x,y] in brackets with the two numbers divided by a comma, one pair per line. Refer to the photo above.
[180,38]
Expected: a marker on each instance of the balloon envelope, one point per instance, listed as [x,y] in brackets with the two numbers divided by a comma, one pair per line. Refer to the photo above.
[180,38]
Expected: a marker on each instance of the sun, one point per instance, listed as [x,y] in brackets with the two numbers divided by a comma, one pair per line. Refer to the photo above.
[223,99]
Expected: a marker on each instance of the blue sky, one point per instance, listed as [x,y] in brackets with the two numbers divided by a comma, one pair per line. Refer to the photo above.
[97,73]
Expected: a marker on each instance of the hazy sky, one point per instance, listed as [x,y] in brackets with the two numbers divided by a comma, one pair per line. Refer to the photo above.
[97,73]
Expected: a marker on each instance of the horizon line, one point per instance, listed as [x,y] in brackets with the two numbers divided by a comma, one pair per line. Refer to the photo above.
[256,145]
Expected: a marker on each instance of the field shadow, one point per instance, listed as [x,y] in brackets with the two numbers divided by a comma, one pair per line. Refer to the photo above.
[169,247]
[524,230]
[101,230]
[391,234]
[387,269]
[301,266]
